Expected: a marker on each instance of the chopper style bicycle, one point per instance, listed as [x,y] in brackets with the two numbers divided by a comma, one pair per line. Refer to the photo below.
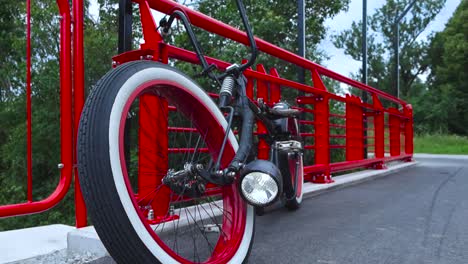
[188,197]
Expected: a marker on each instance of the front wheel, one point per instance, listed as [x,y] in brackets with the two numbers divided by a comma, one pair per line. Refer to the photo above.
[142,122]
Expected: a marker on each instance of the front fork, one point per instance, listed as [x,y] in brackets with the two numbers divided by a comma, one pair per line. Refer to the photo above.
[281,154]
[214,174]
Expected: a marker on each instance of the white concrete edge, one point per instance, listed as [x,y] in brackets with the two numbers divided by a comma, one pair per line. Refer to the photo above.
[440,156]
[85,239]
[21,244]
[311,189]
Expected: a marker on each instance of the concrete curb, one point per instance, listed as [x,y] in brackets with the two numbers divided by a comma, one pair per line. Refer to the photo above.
[440,156]
[347,180]
[32,242]
[86,240]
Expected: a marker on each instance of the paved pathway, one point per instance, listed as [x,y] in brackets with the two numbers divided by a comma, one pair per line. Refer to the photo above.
[419,215]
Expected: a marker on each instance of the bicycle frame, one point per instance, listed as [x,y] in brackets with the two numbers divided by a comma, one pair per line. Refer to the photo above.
[155,49]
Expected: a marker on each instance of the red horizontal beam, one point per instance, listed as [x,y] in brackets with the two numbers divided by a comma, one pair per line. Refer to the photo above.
[337,146]
[182,129]
[338,115]
[355,164]
[187,150]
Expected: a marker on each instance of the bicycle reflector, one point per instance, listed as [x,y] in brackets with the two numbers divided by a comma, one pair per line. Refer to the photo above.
[260,183]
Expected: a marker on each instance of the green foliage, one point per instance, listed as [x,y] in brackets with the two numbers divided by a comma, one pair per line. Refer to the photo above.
[440,101]
[447,96]
[381,39]
[440,144]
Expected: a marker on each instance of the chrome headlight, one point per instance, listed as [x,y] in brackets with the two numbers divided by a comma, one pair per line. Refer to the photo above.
[260,183]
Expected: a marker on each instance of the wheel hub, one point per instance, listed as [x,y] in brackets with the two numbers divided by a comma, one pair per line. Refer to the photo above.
[186,182]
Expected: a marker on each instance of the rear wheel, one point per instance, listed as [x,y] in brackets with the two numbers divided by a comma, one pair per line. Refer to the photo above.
[294,167]
[296,171]
[142,122]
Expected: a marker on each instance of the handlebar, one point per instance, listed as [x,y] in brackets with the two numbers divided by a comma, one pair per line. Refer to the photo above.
[248,29]
[206,67]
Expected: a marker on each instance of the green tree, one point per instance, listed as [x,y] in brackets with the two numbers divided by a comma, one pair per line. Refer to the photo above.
[381,39]
[447,96]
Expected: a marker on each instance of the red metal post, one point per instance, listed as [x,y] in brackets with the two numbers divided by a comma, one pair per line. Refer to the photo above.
[354,128]
[28,101]
[262,92]
[79,97]
[394,123]
[322,132]
[379,131]
[408,111]
[275,91]
[379,128]
[150,32]
[153,153]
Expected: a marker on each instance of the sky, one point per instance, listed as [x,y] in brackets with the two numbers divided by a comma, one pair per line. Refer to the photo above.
[339,62]
[344,64]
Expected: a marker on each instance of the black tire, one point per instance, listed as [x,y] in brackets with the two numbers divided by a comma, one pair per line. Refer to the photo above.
[127,236]
[291,163]
[295,203]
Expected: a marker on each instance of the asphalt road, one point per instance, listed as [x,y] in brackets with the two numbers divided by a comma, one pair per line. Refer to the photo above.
[418,215]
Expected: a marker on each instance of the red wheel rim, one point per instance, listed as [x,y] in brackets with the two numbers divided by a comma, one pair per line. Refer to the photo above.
[186,102]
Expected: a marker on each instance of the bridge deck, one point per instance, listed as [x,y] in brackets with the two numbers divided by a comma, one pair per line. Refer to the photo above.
[419,215]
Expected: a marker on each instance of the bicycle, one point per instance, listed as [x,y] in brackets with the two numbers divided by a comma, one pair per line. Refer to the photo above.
[190,196]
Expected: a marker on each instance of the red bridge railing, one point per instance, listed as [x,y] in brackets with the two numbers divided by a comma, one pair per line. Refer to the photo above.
[71,103]
[389,129]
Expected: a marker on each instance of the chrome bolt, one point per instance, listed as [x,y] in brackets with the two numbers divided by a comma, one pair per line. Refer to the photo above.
[60,166]
[201,188]
[150,214]
[171,210]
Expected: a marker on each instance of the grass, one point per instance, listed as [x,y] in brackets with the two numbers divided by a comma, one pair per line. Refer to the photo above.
[440,144]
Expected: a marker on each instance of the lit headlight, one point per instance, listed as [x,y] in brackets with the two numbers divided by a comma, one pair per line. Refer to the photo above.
[260,183]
